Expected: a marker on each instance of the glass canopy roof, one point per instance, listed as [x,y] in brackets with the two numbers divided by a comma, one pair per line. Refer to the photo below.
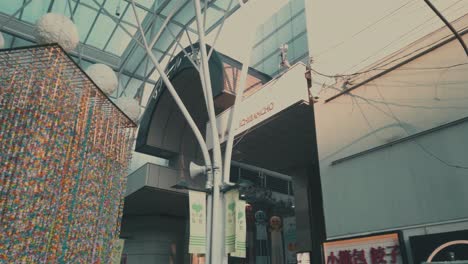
[107,30]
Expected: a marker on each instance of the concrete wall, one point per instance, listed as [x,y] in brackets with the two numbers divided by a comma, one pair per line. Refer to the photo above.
[409,183]
[149,239]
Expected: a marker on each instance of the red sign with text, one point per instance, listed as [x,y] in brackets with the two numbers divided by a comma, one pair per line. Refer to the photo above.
[380,249]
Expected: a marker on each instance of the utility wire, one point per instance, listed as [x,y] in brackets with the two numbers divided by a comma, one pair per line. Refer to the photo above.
[392,13]
[423,148]
[401,37]
[379,66]
[393,116]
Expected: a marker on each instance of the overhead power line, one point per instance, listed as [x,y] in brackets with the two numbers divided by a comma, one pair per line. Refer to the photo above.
[401,37]
[390,14]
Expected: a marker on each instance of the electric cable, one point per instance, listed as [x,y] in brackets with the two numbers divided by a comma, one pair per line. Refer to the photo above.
[378,67]
[392,13]
[423,148]
[393,116]
[401,37]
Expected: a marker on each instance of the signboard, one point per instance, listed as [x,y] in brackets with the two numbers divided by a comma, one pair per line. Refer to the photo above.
[276,96]
[377,249]
[447,246]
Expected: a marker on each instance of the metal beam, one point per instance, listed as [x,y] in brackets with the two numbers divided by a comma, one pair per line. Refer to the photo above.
[26,31]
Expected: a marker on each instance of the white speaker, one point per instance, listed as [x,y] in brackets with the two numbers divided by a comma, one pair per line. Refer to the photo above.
[195,170]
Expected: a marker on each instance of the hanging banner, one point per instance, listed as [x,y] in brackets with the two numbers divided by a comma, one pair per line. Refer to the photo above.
[231,199]
[117,249]
[241,230]
[197,240]
[289,236]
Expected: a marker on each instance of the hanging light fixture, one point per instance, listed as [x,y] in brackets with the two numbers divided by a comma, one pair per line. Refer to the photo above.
[57,28]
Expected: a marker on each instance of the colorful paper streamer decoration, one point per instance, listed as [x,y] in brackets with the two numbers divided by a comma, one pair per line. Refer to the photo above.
[64,153]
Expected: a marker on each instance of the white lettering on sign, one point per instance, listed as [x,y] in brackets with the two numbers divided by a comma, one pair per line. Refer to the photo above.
[274,97]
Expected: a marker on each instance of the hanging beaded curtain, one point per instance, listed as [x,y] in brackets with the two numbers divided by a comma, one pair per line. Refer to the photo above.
[64,151]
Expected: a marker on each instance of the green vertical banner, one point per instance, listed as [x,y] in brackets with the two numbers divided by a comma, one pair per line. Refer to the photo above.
[241,230]
[117,249]
[231,198]
[197,239]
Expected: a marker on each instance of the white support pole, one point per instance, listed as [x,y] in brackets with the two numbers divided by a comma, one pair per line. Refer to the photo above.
[217,242]
[234,117]
[173,92]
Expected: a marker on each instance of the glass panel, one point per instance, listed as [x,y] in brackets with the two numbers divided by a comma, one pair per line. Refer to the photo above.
[187,13]
[135,59]
[111,6]
[35,10]
[259,34]
[11,6]
[145,3]
[144,68]
[224,4]
[118,42]
[270,45]
[269,26]
[84,18]
[93,3]
[130,29]
[300,47]
[297,6]
[61,7]
[101,31]
[257,54]
[272,64]
[123,81]
[212,16]
[284,34]
[129,16]
[147,93]
[166,37]
[18,42]
[172,5]
[156,26]
[132,87]
[299,24]
[155,75]
[8,38]
[284,14]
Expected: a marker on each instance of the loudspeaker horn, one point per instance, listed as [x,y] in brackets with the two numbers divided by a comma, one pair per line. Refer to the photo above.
[195,169]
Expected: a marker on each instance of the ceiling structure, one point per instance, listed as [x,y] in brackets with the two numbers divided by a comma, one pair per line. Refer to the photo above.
[109,34]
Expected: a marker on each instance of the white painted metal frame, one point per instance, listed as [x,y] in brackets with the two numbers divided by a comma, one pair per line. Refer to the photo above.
[216,177]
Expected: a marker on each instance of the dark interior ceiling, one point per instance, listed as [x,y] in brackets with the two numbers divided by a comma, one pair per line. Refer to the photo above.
[281,143]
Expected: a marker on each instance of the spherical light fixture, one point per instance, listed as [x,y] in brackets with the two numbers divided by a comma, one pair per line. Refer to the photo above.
[129,106]
[104,77]
[57,28]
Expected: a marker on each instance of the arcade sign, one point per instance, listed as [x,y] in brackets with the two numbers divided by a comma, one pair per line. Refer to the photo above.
[277,95]
[376,249]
